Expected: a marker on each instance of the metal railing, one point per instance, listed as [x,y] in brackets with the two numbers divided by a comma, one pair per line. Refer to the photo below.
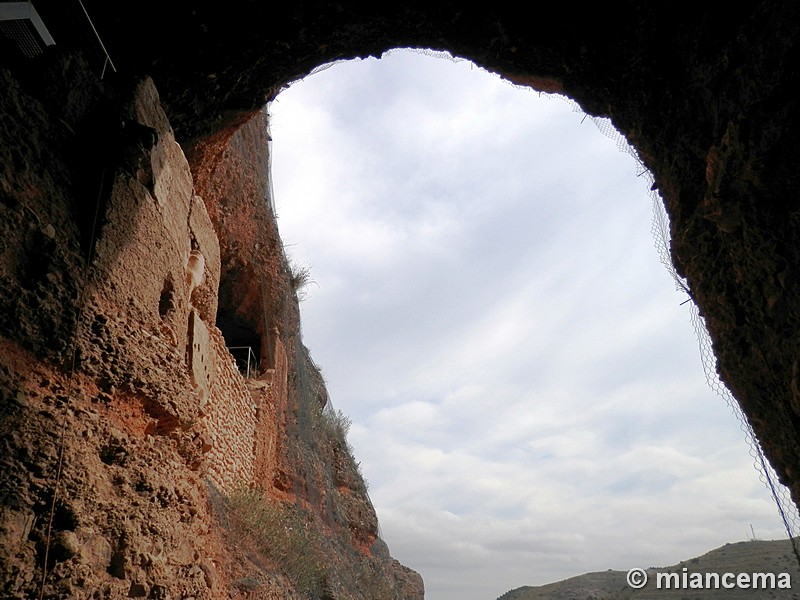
[250,363]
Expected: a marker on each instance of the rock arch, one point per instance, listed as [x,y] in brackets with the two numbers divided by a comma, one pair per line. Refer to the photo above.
[704,96]
[707,98]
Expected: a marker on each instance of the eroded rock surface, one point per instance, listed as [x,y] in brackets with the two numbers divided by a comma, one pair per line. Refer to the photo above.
[138,459]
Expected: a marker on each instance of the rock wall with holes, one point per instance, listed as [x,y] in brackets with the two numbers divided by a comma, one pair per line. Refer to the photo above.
[123,417]
[166,275]
[151,227]
[105,422]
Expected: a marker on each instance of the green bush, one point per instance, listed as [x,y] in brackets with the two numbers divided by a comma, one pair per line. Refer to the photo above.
[333,426]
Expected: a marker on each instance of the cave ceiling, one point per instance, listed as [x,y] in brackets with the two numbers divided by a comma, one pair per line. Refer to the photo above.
[705,95]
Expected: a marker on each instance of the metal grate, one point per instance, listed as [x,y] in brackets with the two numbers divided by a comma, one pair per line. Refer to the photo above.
[20,23]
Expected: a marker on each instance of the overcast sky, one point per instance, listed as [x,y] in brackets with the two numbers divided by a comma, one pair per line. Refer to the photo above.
[526,390]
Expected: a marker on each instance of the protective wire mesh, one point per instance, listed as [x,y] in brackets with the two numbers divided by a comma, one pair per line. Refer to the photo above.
[660,228]
[661,234]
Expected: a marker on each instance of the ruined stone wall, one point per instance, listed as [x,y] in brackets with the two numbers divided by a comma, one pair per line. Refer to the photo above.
[157,260]
[271,474]
[242,421]
[151,222]
[230,422]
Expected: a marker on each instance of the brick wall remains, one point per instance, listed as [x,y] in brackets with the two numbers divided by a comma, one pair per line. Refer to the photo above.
[154,225]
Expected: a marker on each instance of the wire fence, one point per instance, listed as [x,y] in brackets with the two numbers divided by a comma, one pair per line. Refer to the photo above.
[660,229]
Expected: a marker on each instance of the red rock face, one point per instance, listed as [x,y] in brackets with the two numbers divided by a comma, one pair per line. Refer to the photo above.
[141,461]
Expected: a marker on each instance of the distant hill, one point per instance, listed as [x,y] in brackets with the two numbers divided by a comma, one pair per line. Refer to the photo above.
[743,557]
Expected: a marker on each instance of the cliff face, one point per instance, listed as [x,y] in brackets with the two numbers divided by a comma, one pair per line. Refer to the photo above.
[138,459]
[706,96]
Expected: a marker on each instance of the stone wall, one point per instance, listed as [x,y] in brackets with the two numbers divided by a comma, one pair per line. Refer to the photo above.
[157,262]
[271,475]
[242,421]
[229,420]
[201,358]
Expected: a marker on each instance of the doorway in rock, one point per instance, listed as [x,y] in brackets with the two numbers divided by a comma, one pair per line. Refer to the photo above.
[243,319]
[242,341]
[527,397]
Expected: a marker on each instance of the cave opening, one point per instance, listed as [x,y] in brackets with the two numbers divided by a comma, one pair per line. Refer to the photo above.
[241,338]
[243,318]
[490,311]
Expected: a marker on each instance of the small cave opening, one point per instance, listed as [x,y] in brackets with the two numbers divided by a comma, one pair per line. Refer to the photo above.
[243,340]
[244,321]
[166,302]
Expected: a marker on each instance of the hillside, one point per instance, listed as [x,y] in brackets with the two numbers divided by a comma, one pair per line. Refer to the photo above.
[742,557]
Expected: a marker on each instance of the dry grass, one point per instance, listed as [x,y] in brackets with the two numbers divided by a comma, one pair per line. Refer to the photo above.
[299,278]
[283,536]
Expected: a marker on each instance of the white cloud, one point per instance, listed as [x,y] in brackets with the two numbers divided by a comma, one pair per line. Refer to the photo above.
[526,392]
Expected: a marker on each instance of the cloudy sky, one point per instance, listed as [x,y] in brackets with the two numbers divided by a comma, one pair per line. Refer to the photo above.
[489,308]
